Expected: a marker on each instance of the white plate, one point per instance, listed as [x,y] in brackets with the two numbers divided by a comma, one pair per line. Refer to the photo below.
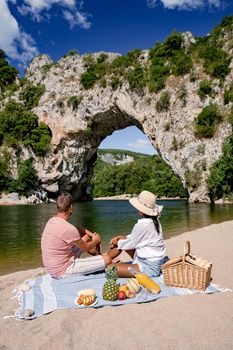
[94,302]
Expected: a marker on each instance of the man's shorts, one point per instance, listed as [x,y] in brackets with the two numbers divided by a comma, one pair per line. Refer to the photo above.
[85,266]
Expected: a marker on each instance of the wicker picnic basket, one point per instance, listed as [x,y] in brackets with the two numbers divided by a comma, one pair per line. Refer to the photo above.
[187,271]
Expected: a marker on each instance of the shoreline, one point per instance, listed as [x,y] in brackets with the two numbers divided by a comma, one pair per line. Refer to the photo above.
[170,323]
[128,196]
[27,201]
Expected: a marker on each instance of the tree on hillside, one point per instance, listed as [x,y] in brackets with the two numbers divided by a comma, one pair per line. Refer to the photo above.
[7,73]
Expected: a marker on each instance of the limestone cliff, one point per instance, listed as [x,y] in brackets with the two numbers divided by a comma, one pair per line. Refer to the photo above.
[77,130]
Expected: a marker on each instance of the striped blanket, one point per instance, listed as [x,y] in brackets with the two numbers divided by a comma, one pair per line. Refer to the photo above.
[48,294]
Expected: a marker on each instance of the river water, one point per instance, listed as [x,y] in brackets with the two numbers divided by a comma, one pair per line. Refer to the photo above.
[21,226]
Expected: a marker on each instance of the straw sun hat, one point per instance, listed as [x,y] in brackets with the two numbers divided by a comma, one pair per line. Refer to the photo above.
[145,202]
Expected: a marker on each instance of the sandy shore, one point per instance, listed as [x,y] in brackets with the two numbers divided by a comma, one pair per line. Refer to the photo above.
[191,322]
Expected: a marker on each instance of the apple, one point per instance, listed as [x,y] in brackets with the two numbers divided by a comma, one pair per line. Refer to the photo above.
[121,295]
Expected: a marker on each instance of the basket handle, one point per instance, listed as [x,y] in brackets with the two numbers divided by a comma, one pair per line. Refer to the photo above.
[186,249]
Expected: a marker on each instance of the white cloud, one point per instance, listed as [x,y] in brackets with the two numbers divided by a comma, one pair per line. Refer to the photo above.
[20,45]
[39,9]
[77,18]
[139,143]
[13,40]
[185,4]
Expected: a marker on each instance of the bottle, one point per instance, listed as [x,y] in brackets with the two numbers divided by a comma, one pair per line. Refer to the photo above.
[145,281]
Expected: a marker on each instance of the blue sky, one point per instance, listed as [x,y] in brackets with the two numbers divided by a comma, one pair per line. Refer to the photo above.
[30,27]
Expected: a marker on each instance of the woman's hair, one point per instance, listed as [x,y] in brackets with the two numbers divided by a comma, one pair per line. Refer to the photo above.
[64,202]
[155,221]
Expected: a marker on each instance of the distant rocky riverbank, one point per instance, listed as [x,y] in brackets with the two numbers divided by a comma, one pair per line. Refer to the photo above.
[15,199]
[39,198]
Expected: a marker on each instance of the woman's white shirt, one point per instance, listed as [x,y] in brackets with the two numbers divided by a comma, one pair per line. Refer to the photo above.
[145,239]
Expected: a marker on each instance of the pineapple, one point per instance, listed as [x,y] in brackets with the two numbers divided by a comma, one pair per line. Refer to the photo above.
[110,288]
[111,273]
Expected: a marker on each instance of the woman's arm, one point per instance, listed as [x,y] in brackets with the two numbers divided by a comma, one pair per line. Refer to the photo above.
[114,241]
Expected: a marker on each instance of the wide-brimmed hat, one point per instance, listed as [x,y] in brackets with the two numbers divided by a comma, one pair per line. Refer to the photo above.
[145,202]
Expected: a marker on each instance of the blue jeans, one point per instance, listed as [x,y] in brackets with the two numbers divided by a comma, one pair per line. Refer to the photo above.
[150,268]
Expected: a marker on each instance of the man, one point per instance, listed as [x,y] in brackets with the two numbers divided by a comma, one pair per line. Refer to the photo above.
[62,244]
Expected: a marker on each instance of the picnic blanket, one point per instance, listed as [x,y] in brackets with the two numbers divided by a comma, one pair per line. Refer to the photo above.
[48,294]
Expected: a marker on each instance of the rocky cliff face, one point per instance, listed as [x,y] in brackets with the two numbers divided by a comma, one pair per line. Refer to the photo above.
[116,159]
[99,111]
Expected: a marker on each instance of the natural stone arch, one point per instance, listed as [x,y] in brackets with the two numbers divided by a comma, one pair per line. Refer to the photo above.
[82,148]
[102,110]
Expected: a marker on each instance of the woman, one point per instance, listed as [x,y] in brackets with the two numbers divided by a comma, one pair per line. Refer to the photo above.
[145,244]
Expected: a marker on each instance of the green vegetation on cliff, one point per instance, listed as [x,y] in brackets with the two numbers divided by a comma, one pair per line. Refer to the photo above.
[172,57]
[18,124]
[207,121]
[26,181]
[220,181]
[144,173]
[8,74]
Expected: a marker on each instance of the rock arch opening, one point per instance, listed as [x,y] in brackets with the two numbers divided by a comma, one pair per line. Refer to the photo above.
[79,153]
[102,125]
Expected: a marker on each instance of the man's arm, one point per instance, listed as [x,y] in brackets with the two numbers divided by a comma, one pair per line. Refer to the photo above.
[86,246]
[85,232]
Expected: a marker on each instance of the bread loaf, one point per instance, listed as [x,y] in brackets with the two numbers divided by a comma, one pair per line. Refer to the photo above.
[86,300]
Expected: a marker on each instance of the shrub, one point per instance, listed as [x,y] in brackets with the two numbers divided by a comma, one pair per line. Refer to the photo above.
[228,95]
[27,177]
[18,124]
[88,61]
[8,74]
[4,174]
[88,79]
[94,72]
[163,103]
[102,58]
[220,180]
[40,139]
[46,67]
[74,101]
[172,44]
[216,61]
[136,79]
[204,89]
[72,52]
[206,121]
[183,63]
[31,94]
[115,82]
